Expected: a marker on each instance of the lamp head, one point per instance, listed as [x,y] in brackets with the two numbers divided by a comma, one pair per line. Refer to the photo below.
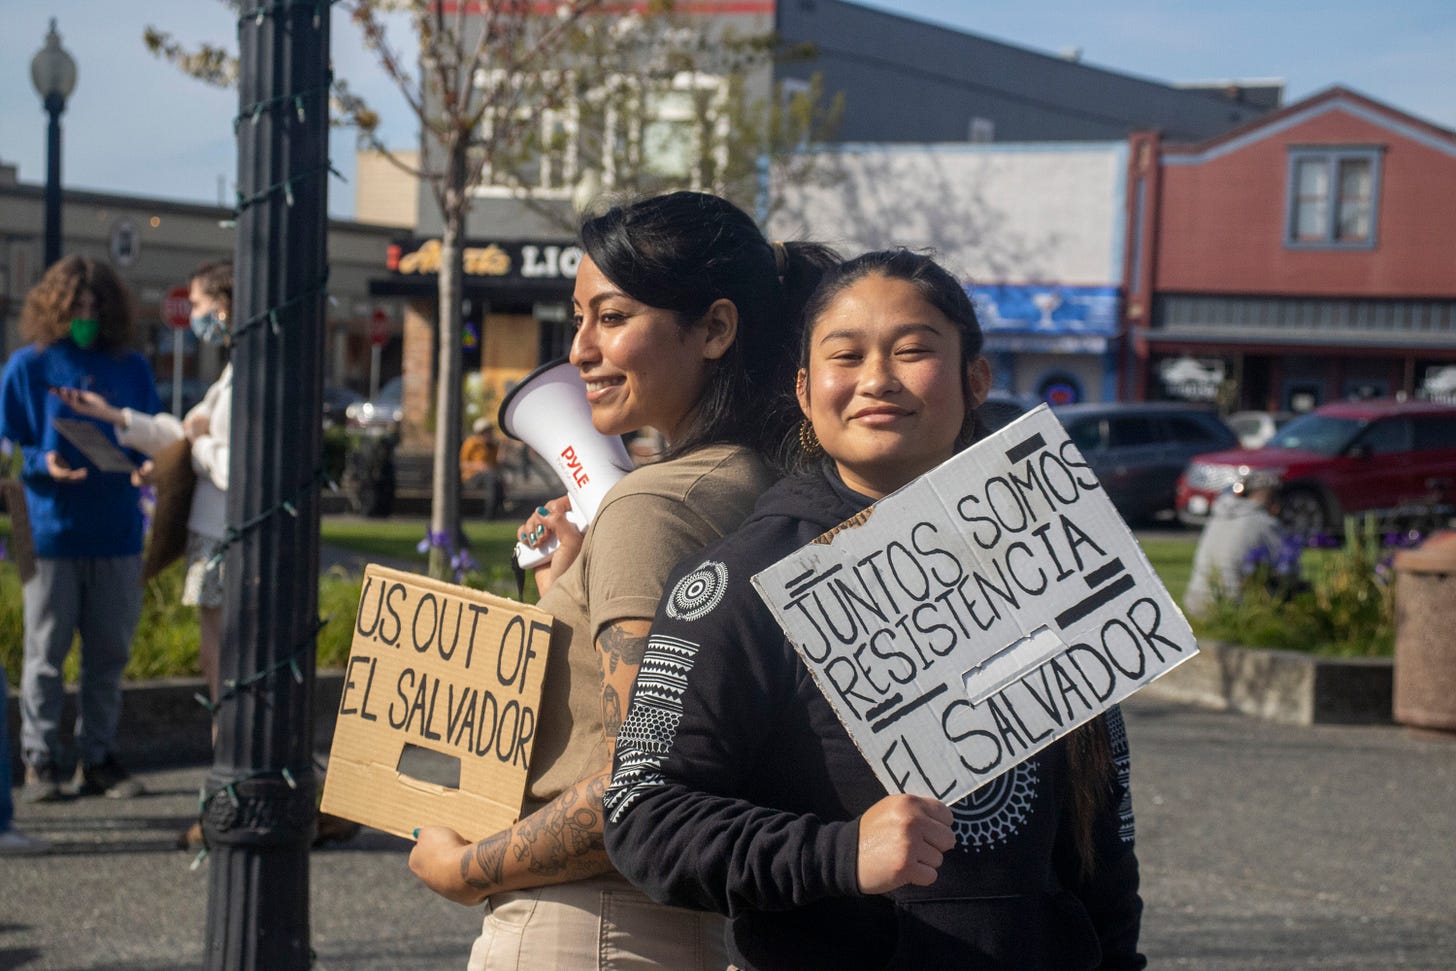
[53,71]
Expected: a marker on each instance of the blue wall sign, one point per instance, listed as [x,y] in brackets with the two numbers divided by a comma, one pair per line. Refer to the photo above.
[1046,309]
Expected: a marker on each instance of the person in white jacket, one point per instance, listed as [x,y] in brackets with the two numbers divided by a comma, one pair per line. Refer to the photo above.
[207,426]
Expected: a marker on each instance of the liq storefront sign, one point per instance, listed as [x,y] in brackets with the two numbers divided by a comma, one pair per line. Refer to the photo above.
[500,259]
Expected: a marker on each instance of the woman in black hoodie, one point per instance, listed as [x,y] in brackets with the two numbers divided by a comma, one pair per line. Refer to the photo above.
[737,790]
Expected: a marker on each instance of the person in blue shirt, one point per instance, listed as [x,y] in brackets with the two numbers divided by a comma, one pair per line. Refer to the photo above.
[86,524]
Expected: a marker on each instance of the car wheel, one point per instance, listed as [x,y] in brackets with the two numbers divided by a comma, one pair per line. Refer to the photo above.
[1303,512]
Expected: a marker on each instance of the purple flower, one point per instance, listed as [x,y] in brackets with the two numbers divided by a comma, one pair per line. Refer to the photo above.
[1384,571]
[1253,559]
[1405,540]
[4,550]
[1286,560]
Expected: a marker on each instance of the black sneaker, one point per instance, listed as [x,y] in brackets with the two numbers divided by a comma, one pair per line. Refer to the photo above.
[42,784]
[107,779]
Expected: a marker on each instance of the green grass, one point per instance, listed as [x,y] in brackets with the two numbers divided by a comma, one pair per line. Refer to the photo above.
[490,542]
[166,640]
[1172,560]
[165,643]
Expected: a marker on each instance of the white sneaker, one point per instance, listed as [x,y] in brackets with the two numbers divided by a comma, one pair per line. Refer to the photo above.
[15,843]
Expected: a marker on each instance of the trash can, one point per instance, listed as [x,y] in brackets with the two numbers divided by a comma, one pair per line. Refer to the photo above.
[1425,634]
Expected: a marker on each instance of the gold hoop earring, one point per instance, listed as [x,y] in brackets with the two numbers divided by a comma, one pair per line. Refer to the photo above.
[809,441]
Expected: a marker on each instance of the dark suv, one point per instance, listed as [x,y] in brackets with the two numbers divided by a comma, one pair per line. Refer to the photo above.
[1139,450]
[1396,457]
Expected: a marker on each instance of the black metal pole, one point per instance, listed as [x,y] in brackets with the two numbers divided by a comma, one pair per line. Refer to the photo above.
[259,806]
[54,105]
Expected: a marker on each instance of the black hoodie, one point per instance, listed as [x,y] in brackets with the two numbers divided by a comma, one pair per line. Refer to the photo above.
[737,790]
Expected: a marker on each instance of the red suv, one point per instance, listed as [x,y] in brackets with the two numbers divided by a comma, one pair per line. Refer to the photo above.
[1350,457]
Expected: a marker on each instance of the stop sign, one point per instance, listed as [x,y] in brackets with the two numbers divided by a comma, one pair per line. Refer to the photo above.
[177,308]
[379,329]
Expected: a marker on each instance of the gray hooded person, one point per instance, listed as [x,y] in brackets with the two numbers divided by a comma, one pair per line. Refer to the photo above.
[1243,519]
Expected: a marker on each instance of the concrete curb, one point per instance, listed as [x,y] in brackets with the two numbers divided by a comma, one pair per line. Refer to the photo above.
[1282,686]
[162,722]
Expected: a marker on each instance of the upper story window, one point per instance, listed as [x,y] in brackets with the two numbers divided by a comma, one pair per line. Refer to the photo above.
[622,129]
[1333,197]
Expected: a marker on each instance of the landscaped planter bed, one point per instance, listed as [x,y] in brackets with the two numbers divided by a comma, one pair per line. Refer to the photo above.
[1284,686]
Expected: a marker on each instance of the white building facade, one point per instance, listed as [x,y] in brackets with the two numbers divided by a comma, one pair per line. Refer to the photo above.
[1036,231]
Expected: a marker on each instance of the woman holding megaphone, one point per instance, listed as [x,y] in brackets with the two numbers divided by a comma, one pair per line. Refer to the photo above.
[686,321]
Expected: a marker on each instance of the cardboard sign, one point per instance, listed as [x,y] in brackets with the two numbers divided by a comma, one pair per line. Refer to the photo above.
[438,711]
[988,608]
[92,442]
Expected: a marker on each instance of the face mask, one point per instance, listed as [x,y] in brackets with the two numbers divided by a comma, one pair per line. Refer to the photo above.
[210,327]
[84,331]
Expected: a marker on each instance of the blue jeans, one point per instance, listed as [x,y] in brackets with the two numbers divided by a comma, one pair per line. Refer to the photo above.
[99,597]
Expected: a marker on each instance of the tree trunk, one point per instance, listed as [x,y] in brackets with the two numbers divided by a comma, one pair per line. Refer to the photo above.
[445,484]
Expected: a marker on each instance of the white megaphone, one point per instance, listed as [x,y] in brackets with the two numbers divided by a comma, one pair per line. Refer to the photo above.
[548,411]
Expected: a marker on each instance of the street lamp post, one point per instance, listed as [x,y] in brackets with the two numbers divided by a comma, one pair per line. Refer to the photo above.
[53,72]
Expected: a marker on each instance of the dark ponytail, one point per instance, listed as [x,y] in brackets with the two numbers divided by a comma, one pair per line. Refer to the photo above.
[1088,787]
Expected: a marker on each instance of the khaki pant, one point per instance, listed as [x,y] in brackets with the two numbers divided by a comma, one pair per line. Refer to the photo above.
[600,923]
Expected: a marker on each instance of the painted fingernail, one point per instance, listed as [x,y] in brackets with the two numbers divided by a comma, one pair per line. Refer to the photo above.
[542,511]
[521,537]
[417,832]
[539,531]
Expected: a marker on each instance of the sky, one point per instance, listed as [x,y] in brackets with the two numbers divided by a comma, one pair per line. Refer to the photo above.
[136,125]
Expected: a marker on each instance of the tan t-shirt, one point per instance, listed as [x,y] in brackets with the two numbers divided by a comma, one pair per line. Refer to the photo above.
[649,521]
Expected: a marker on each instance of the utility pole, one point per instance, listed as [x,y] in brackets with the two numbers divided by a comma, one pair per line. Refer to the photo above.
[259,801]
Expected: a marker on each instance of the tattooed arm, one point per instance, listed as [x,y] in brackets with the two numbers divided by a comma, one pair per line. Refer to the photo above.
[619,647]
[560,842]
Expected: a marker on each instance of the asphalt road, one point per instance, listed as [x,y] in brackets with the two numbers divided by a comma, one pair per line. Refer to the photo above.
[1262,846]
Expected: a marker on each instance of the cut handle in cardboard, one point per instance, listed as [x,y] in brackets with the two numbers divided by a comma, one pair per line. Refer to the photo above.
[548,411]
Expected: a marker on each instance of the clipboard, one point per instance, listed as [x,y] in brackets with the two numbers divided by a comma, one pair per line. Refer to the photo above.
[98,449]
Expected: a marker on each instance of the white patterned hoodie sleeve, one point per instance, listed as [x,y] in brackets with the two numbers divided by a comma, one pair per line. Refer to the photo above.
[715,671]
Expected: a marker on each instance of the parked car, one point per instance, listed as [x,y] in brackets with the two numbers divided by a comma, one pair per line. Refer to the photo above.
[1001,408]
[1354,456]
[383,412]
[1255,428]
[337,401]
[1139,450]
